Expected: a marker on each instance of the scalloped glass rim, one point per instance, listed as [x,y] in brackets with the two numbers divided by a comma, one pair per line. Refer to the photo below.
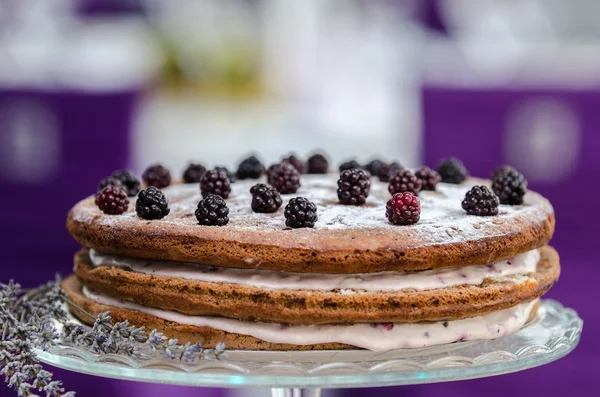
[553,334]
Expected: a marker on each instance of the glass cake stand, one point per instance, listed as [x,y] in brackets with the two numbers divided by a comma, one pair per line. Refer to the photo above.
[553,334]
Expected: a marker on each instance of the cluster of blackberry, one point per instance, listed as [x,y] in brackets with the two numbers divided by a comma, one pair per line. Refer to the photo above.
[354,183]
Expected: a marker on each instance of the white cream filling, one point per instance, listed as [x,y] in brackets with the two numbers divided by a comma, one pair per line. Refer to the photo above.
[376,337]
[515,270]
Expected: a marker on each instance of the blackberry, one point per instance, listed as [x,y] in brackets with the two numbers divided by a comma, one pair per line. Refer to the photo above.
[374,167]
[230,175]
[480,201]
[502,169]
[265,199]
[349,165]
[510,186]
[131,183]
[212,211]
[158,176]
[193,173]
[403,209]
[296,162]
[353,186]
[152,204]
[284,177]
[428,177]
[405,181]
[318,164]
[452,170]
[109,181]
[215,182]
[250,168]
[300,213]
[270,171]
[112,200]
[387,171]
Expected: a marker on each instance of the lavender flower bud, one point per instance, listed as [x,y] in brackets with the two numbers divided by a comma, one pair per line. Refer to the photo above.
[53,388]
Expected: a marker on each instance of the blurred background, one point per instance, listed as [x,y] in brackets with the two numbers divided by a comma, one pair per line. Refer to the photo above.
[90,86]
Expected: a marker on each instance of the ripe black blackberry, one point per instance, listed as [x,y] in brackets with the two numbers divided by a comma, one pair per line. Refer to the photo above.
[212,211]
[215,182]
[250,168]
[109,181]
[403,209]
[452,170]
[480,201]
[388,170]
[405,181]
[265,198]
[501,169]
[300,213]
[112,200]
[193,173]
[156,175]
[318,164]
[510,186]
[374,167]
[428,177]
[152,204]
[230,175]
[353,186]
[296,162]
[349,165]
[284,177]
[131,183]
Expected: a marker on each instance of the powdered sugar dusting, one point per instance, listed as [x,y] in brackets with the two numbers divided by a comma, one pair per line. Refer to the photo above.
[442,218]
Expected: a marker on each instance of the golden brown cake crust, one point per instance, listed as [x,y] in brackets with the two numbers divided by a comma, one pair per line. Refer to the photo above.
[346,239]
[316,307]
[207,336]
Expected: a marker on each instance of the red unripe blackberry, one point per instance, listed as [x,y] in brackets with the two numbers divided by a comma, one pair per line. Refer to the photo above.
[403,209]
[112,200]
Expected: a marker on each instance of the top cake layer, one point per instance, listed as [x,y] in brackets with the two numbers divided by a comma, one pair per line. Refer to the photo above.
[345,239]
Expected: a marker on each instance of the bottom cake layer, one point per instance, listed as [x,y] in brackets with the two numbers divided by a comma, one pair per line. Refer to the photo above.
[238,334]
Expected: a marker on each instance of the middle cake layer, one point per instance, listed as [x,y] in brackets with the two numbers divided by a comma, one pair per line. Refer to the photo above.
[322,299]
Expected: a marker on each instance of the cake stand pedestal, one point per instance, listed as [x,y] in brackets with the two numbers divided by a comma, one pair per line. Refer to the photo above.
[553,334]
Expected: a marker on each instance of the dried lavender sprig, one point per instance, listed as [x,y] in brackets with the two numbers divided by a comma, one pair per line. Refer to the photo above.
[27,316]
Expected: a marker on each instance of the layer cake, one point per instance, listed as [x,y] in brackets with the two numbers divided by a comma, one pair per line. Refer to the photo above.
[354,280]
